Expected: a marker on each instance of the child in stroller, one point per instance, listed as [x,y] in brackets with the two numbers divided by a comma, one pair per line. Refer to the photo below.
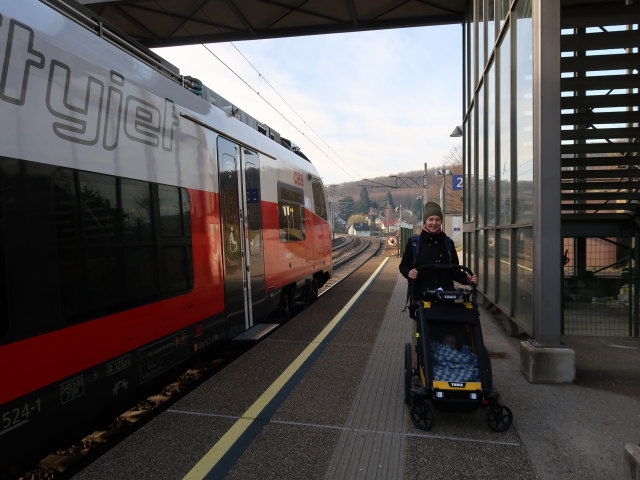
[453,364]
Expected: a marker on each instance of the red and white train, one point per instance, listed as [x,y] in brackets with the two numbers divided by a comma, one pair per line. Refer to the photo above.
[143,219]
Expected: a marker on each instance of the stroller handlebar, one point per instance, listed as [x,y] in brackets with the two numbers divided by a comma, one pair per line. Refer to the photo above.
[445,266]
[460,293]
[456,294]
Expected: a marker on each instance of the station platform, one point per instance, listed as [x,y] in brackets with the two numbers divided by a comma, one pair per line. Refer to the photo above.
[322,398]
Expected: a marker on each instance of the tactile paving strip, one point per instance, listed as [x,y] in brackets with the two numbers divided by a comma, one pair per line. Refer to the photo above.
[372,444]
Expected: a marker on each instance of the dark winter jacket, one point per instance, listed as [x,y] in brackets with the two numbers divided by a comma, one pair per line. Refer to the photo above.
[432,249]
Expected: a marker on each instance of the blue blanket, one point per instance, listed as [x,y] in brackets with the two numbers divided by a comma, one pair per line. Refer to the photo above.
[453,365]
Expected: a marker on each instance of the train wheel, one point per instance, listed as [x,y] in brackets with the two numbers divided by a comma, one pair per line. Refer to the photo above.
[408,372]
[311,292]
[285,309]
[499,417]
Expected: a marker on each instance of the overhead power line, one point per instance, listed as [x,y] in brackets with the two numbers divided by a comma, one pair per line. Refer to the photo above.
[274,108]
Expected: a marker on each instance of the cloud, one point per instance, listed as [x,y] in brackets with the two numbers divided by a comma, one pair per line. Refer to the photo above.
[361,104]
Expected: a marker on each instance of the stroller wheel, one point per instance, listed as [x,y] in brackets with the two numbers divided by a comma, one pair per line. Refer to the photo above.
[408,372]
[499,417]
[422,416]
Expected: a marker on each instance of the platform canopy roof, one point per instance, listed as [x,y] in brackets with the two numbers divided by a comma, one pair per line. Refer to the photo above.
[157,23]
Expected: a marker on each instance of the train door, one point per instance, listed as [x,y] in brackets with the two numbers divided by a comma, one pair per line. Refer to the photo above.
[233,228]
[253,230]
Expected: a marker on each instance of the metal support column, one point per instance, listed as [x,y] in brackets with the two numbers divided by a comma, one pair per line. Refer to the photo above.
[547,301]
[424,192]
[634,286]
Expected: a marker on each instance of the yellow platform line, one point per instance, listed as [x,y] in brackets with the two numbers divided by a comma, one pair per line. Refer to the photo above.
[226,442]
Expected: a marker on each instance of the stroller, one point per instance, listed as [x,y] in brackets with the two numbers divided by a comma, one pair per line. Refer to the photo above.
[453,369]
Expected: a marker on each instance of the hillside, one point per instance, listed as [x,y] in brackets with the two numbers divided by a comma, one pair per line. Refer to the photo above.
[404,188]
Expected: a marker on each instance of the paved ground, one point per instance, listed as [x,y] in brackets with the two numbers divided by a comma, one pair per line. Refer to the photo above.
[577,430]
[344,418]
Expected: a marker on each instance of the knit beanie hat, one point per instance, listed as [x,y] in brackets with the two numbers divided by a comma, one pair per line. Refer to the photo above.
[432,208]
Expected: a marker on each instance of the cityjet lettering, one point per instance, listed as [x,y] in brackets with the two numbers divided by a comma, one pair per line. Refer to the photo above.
[85,113]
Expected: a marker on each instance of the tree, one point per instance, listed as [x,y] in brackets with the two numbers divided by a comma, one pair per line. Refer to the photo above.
[417,207]
[453,162]
[390,202]
[365,203]
[453,158]
[405,215]
[357,218]
[346,208]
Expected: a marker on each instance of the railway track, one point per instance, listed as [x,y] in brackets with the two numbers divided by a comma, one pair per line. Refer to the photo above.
[350,257]
[349,253]
[341,242]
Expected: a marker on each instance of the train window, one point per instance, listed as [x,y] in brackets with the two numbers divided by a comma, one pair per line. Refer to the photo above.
[254,213]
[175,265]
[99,205]
[136,211]
[185,203]
[140,273]
[102,285]
[291,213]
[319,201]
[4,307]
[170,211]
[66,207]
[175,211]
[289,194]
[121,242]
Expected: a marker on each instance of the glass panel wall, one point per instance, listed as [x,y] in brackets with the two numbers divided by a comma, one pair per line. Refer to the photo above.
[491,146]
[504,269]
[524,278]
[466,63]
[465,162]
[470,181]
[502,10]
[481,29]
[490,288]
[491,25]
[480,267]
[473,249]
[504,131]
[524,111]
[473,54]
[465,254]
[480,194]
[499,152]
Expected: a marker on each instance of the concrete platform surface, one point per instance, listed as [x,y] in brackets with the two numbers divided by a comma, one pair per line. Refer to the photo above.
[344,418]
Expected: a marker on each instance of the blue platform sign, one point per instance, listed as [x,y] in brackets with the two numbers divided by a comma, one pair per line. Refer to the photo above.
[457,182]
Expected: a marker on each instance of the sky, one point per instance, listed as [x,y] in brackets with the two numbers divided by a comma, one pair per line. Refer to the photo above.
[360,105]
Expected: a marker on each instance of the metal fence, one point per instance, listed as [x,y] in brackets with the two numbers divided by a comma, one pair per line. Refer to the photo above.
[601,286]
[405,235]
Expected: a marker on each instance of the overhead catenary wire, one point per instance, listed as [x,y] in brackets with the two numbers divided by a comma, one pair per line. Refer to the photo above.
[257,92]
[353,174]
[293,110]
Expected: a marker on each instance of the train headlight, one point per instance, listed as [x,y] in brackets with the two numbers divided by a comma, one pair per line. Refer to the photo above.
[473,396]
[439,394]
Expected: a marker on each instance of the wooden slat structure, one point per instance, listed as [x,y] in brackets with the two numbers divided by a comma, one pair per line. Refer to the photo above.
[600,118]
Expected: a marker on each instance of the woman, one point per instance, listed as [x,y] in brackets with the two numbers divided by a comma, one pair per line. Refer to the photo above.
[434,247]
